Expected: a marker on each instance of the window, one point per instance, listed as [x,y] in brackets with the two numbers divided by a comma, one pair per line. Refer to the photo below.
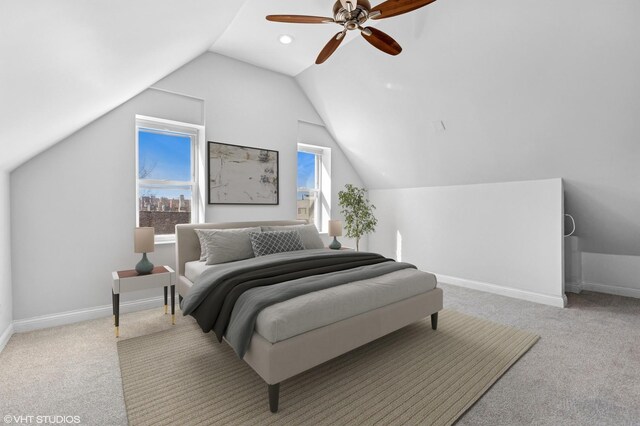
[166,163]
[314,185]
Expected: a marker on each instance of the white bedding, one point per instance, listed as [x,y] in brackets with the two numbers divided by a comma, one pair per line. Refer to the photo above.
[314,310]
[192,270]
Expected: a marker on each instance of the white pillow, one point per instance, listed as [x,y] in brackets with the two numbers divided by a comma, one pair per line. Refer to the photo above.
[308,233]
[225,245]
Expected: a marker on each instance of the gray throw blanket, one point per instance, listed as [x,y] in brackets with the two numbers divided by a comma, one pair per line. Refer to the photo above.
[214,295]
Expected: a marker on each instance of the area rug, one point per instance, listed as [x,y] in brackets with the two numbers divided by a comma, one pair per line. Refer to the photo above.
[412,376]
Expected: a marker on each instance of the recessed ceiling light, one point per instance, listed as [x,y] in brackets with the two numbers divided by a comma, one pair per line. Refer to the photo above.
[285,39]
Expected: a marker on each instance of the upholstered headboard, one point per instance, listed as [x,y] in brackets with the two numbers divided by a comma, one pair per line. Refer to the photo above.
[188,245]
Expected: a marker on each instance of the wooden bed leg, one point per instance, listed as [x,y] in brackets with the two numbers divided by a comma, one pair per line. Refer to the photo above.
[274,395]
[434,321]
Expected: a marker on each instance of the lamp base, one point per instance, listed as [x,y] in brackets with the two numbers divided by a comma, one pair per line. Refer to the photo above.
[335,244]
[144,267]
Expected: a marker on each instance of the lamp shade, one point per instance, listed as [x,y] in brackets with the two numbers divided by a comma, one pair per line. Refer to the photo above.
[335,228]
[143,240]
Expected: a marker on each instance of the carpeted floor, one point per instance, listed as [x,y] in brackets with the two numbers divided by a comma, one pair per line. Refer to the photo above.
[413,376]
[584,370]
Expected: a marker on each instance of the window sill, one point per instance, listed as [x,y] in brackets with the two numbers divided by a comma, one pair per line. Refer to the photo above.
[165,242]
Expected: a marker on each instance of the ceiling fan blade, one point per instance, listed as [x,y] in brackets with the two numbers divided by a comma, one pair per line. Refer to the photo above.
[391,8]
[381,40]
[330,47]
[299,19]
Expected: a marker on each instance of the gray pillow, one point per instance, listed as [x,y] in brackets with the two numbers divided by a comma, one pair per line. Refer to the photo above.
[203,243]
[226,245]
[308,233]
[270,242]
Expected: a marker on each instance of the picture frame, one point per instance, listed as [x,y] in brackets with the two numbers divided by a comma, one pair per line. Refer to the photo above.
[242,175]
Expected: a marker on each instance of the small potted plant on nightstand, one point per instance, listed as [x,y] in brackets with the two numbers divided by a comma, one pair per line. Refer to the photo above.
[358,213]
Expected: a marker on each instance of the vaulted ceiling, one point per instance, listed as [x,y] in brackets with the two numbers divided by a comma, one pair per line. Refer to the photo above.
[499,90]
[487,91]
[65,63]
[483,91]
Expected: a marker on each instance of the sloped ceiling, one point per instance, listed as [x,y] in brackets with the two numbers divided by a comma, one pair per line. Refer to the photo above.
[526,90]
[64,63]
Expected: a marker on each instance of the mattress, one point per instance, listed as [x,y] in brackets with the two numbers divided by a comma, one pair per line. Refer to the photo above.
[314,310]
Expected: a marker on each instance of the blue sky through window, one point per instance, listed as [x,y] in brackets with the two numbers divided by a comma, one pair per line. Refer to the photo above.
[167,157]
[306,170]
[164,157]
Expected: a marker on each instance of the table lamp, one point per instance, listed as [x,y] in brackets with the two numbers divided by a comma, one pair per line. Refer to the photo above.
[335,230]
[143,239]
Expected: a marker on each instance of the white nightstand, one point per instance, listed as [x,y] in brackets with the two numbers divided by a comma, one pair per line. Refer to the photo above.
[161,276]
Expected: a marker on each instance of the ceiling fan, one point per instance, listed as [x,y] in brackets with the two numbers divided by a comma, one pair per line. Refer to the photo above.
[351,15]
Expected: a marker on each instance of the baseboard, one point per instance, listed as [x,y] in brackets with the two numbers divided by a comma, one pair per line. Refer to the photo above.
[610,289]
[5,336]
[558,301]
[573,287]
[70,317]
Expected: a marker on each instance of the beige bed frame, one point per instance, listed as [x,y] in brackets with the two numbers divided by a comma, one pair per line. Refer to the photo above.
[275,362]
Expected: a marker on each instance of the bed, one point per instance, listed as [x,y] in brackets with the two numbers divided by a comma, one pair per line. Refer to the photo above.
[293,335]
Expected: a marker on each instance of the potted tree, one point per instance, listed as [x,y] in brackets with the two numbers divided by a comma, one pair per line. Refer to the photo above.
[358,213]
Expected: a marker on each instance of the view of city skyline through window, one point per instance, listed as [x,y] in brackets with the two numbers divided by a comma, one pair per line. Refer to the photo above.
[164,180]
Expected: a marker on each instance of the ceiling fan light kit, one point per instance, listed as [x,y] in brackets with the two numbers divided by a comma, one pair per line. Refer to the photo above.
[351,15]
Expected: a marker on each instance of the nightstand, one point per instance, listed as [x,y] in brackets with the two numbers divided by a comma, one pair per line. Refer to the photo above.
[129,280]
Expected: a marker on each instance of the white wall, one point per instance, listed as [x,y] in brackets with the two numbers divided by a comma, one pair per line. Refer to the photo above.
[6,311]
[73,211]
[504,238]
[603,273]
[608,273]
[527,90]
[74,205]
[247,105]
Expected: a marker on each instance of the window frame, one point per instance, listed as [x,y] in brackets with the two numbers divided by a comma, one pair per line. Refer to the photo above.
[163,126]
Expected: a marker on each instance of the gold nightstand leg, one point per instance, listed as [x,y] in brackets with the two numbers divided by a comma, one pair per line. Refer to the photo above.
[117,331]
[166,307]
[173,319]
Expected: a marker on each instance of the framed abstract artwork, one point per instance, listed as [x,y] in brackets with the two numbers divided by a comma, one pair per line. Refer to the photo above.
[242,175]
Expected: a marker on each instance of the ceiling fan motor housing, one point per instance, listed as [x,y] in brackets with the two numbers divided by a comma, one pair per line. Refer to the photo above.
[357,16]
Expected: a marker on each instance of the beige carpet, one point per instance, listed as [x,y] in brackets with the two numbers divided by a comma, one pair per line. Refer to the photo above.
[413,376]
